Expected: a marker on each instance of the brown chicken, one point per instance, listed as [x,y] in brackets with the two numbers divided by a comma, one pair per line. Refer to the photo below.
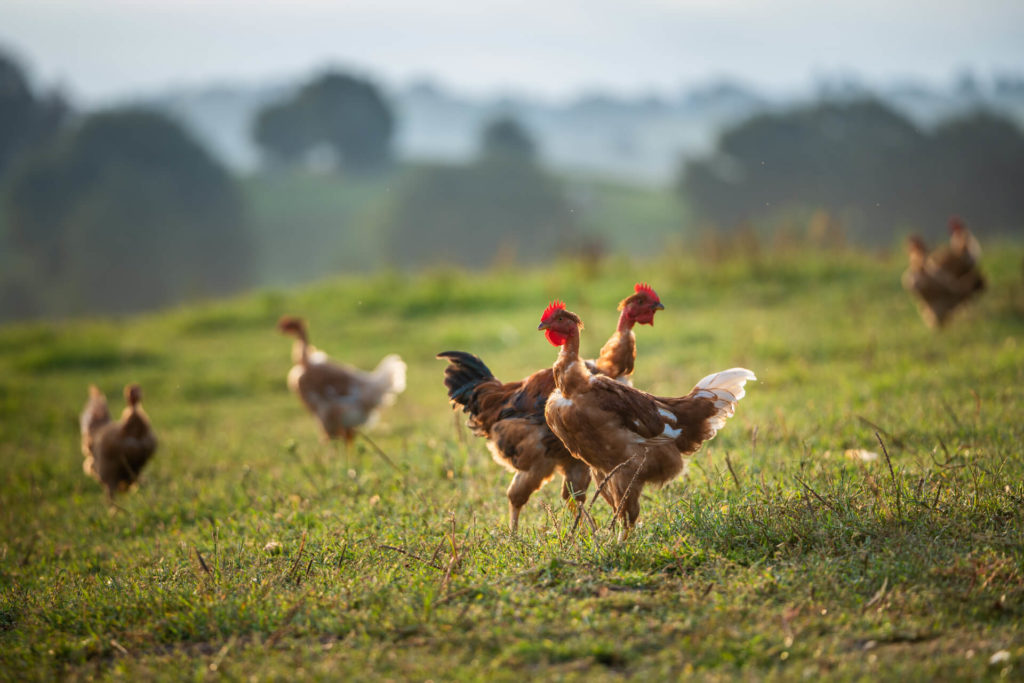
[944,280]
[342,398]
[626,435]
[511,415]
[960,259]
[115,452]
[618,355]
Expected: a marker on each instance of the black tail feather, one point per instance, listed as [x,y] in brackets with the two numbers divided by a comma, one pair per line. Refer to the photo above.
[464,373]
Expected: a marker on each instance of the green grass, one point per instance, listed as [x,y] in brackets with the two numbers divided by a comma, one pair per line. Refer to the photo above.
[778,557]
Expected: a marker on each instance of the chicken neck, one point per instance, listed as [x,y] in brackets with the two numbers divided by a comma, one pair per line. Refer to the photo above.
[626,321]
[571,374]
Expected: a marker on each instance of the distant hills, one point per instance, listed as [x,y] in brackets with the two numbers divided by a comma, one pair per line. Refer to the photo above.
[640,140]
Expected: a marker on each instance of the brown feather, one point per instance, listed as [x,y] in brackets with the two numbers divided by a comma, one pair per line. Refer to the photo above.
[618,355]
[116,452]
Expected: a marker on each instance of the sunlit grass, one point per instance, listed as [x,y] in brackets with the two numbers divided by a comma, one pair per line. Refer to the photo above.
[779,556]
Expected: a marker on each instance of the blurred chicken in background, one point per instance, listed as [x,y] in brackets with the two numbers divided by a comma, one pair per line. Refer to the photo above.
[945,279]
[115,452]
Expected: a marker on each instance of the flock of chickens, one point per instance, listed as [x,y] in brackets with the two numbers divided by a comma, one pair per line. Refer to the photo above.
[581,419]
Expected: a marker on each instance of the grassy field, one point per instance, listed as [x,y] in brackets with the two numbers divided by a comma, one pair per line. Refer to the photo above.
[250,549]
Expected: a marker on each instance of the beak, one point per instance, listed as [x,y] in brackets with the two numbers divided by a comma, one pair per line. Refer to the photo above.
[542,326]
[659,306]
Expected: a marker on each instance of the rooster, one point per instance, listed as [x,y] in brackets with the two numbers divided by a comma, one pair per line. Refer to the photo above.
[115,452]
[628,437]
[342,398]
[511,415]
[945,279]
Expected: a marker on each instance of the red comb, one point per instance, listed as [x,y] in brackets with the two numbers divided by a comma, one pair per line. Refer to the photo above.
[955,223]
[644,288]
[555,305]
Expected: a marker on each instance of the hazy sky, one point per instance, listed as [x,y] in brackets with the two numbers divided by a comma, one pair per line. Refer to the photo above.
[101,49]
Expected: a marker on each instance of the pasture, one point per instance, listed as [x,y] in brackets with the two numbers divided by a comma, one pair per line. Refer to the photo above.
[251,549]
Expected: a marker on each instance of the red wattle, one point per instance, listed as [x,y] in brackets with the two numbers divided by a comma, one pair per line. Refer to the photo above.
[645,318]
[555,338]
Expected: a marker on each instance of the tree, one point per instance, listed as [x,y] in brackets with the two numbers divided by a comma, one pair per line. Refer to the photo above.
[26,119]
[505,140]
[127,212]
[501,205]
[345,114]
[281,133]
[863,162]
[975,166]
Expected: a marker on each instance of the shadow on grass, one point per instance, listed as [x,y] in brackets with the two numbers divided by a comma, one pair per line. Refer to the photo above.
[69,354]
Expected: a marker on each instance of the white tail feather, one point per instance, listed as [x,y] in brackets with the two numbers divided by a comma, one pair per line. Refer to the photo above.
[391,371]
[731,381]
[726,388]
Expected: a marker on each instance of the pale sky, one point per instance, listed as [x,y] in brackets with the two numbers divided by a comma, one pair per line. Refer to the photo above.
[105,49]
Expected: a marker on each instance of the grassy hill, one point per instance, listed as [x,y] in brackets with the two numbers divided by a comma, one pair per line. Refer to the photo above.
[779,556]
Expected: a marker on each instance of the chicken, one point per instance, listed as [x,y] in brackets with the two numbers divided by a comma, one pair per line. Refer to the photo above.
[945,279]
[625,435]
[341,397]
[618,354]
[960,259]
[511,415]
[115,452]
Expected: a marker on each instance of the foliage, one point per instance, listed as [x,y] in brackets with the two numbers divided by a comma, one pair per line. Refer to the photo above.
[308,225]
[476,214]
[345,114]
[866,164]
[975,162]
[505,139]
[126,212]
[502,207]
[252,550]
[281,132]
[27,119]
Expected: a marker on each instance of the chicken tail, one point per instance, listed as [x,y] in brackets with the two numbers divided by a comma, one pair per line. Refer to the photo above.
[465,372]
[94,415]
[390,371]
[725,389]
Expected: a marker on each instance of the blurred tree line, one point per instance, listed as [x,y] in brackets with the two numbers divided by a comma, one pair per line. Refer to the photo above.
[866,165]
[500,207]
[122,210]
[114,211]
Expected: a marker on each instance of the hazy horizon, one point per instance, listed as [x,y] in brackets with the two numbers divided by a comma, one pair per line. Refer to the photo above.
[113,49]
